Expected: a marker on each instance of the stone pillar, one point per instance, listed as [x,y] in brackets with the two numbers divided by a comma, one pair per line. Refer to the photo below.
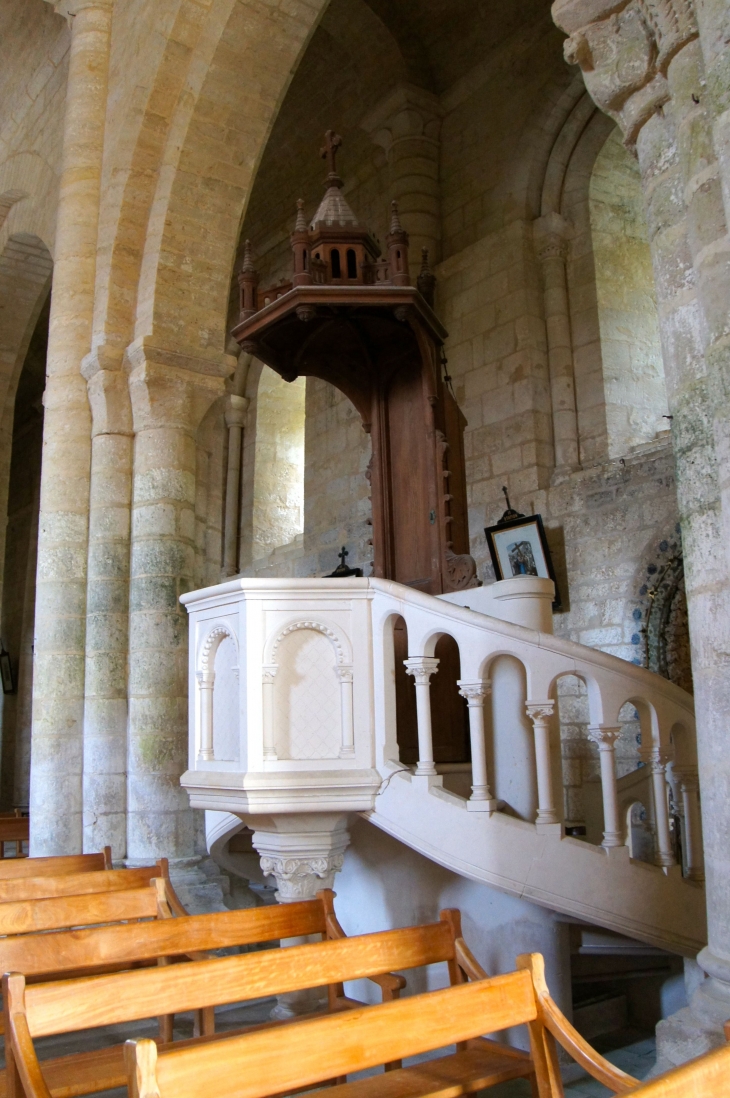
[540,713]
[170,394]
[658,764]
[606,738]
[641,67]
[58,676]
[481,799]
[236,407]
[421,668]
[551,242]
[107,605]
[303,853]
[689,786]
[406,124]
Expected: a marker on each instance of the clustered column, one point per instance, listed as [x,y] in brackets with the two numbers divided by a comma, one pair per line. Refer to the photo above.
[58,677]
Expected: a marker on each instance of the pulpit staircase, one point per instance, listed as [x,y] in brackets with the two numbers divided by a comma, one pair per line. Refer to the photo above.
[293,716]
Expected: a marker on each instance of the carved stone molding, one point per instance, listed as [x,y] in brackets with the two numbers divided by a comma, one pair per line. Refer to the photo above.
[475,692]
[539,712]
[300,878]
[604,736]
[421,668]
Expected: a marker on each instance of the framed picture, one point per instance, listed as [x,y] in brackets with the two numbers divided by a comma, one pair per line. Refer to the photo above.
[518,547]
[6,672]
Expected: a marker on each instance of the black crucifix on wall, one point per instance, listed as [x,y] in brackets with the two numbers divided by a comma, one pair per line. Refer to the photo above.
[355,320]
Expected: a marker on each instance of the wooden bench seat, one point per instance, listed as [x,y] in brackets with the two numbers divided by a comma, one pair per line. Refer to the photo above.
[77,952]
[34,1011]
[13,868]
[252,1065]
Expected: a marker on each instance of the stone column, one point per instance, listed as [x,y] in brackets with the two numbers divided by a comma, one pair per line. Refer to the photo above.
[236,407]
[481,799]
[551,243]
[658,763]
[421,668]
[606,738]
[540,713]
[641,67]
[406,124]
[107,605]
[689,786]
[58,676]
[170,394]
[303,853]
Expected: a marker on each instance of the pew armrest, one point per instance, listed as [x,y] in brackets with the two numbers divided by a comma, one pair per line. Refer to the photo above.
[468,963]
[553,1019]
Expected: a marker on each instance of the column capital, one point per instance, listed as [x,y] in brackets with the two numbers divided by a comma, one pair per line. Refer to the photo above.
[474,692]
[236,408]
[421,667]
[624,48]
[540,710]
[69,8]
[303,859]
[551,235]
[172,389]
[687,776]
[405,112]
[605,735]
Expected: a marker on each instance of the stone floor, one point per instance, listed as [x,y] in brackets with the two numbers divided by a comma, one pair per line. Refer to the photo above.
[636,1054]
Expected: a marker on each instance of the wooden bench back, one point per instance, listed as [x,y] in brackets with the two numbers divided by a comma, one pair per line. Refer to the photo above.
[65,1005]
[706,1077]
[32,916]
[72,950]
[253,1066]
[14,868]
[14,829]
[78,884]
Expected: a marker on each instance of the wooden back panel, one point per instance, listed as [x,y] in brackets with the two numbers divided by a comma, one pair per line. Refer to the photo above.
[14,829]
[31,916]
[252,1066]
[76,884]
[71,950]
[14,868]
[67,1005]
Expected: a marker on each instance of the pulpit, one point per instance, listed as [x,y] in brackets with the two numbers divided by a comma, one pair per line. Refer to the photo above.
[353,317]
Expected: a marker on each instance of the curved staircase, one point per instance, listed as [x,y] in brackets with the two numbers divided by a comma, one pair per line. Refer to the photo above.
[293,717]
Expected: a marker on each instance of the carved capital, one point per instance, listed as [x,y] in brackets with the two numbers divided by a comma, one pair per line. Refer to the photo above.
[268,673]
[236,408]
[474,692]
[344,674]
[421,668]
[604,735]
[551,234]
[171,389]
[688,778]
[300,878]
[540,712]
[69,8]
[405,113]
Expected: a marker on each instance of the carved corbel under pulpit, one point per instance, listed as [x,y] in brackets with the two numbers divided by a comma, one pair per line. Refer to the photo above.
[355,321]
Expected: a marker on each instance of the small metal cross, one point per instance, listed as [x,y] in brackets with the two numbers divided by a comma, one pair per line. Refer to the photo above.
[343,552]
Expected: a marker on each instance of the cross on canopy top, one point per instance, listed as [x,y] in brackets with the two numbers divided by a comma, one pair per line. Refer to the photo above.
[328,151]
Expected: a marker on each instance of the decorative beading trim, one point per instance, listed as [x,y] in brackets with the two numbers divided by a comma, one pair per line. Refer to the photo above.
[210,645]
[343,659]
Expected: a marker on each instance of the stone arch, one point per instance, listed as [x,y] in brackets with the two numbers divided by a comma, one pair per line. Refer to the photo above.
[244,60]
[340,643]
[210,644]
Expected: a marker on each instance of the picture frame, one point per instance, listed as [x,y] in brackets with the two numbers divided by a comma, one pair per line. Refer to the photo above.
[6,673]
[518,547]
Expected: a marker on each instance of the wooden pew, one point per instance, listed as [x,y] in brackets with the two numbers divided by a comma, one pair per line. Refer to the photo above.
[78,952]
[14,829]
[21,890]
[252,1066]
[34,1011]
[14,868]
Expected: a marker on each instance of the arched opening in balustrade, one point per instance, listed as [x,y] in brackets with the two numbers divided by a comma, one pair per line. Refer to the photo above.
[510,739]
[639,832]
[577,764]
[449,712]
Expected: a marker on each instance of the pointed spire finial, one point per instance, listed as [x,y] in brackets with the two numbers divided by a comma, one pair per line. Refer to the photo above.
[395,225]
[426,280]
[248,266]
[301,224]
[328,152]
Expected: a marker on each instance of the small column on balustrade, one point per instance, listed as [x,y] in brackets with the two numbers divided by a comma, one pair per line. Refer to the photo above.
[540,713]
[481,799]
[421,668]
[605,737]
[658,763]
[689,785]
[269,674]
[206,682]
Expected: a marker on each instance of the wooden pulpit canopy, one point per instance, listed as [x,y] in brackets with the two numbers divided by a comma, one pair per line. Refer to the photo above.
[355,320]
